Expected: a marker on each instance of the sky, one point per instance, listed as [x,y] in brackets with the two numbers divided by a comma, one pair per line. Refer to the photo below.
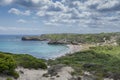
[59,16]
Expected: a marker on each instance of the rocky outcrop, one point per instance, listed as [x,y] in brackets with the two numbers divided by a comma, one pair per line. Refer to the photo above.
[114,76]
[53,70]
[38,38]
[57,42]
[102,38]
[33,39]
[58,72]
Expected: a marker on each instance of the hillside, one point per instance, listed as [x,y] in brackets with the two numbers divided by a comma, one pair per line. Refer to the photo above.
[75,38]
[99,62]
[9,62]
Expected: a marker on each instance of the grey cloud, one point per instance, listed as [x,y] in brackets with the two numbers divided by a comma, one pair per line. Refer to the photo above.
[5,2]
[75,12]
[112,5]
[18,12]
[87,12]
[34,4]
[104,5]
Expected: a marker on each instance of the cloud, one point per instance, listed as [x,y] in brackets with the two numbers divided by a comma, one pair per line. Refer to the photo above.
[5,2]
[32,3]
[22,21]
[18,12]
[112,5]
[104,5]
[83,13]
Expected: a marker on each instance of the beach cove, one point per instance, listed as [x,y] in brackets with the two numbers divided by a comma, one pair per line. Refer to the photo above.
[39,49]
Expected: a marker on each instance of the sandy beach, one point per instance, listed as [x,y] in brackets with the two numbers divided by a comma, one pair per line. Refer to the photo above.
[73,48]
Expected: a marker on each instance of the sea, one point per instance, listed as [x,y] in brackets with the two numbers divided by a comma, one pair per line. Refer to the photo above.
[40,49]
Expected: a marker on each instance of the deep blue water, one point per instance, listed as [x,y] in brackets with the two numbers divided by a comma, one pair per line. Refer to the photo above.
[40,49]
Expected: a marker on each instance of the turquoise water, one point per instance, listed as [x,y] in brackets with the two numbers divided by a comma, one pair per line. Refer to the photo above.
[38,49]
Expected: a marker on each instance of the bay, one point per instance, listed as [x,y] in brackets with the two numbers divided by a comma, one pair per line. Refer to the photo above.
[39,49]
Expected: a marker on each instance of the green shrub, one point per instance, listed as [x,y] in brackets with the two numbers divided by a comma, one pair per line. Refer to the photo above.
[101,59]
[7,64]
[82,38]
[28,61]
[9,79]
[15,74]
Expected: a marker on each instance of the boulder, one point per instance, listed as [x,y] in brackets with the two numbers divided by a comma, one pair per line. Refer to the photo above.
[55,69]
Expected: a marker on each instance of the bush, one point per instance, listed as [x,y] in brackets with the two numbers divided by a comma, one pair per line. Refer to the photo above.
[7,64]
[102,60]
[28,61]
[15,74]
[9,79]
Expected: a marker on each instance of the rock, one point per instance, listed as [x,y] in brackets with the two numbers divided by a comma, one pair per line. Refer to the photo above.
[115,76]
[27,38]
[53,71]
[63,73]
[74,43]
[90,65]
[22,72]
[88,77]
[51,41]
[84,77]
[46,75]
[107,79]
[56,42]
[75,78]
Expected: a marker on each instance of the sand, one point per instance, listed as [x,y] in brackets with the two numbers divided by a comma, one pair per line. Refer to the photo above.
[73,48]
[32,74]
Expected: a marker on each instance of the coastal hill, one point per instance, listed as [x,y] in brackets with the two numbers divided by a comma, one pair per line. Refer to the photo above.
[76,38]
[98,62]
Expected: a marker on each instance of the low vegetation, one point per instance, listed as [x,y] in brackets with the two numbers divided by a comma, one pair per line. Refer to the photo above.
[8,65]
[9,62]
[28,61]
[101,61]
[81,38]
[9,79]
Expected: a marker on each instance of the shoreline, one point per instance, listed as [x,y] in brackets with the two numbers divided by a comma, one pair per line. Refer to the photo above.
[74,48]
[71,50]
